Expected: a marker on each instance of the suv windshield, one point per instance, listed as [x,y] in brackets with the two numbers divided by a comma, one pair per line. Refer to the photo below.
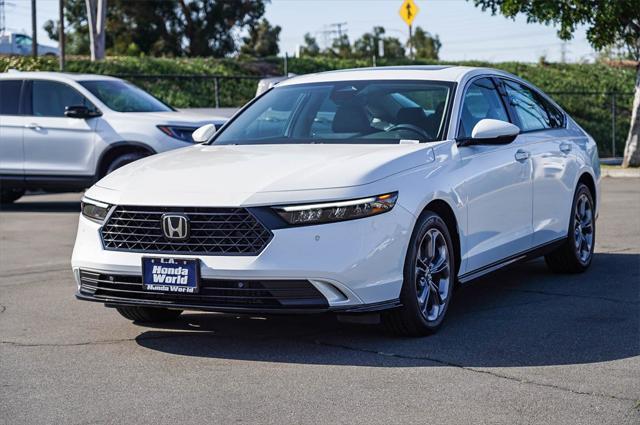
[362,112]
[124,97]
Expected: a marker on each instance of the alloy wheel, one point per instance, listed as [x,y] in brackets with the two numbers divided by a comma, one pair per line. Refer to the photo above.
[583,228]
[432,274]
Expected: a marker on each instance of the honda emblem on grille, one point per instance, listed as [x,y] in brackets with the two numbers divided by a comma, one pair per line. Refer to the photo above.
[175,227]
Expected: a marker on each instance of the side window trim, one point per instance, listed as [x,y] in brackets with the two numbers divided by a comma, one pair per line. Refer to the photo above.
[512,111]
[504,97]
[26,104]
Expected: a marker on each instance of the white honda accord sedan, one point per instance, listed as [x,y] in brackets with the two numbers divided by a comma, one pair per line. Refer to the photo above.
[361,191]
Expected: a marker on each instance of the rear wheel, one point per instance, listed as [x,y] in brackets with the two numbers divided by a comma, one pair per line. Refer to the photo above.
[576,253]
[149,314]
[8,196]
[428,280]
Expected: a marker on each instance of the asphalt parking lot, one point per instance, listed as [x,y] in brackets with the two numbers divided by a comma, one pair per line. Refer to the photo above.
[520,346]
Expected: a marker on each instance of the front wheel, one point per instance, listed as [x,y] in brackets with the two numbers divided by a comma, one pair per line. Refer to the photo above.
[429,274]
[576,253]
[123,160]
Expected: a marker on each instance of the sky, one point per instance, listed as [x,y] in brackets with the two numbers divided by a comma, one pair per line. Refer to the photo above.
[466,32]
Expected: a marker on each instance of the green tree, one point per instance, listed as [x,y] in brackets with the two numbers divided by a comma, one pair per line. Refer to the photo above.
[164,27]
[425,45]
[262,40]
[310,47]
[608,22]
[367,45]
[393,48]
[77,31]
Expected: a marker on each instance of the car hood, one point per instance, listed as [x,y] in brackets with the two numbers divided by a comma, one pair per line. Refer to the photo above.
[234,173]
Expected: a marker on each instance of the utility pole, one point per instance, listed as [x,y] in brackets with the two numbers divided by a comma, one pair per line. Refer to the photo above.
[563,52]
[339,32]
[411,41]
[338,26]
[3,14]
[34,30]
[333,32]
[61,40]
[2,21]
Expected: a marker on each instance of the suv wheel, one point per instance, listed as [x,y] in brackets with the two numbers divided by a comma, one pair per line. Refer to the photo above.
[429,274]
[576,253]
[123,160]
[8,196]
[148,314]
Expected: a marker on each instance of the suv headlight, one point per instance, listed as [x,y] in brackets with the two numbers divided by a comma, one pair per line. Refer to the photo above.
[178,132]
[337,211]
[94,210]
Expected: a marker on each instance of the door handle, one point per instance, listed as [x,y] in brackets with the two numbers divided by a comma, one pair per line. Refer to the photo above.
[521,155]
[33,126]
[565,147]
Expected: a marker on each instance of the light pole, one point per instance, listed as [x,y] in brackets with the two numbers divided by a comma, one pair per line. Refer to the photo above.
[61,41]
[34,30]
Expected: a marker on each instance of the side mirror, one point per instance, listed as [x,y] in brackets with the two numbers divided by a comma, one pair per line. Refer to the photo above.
[80,111]
[492,132]
[204,133]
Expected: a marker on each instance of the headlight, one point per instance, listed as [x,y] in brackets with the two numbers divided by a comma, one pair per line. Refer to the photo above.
[177,132]
[94,210]
[337,211]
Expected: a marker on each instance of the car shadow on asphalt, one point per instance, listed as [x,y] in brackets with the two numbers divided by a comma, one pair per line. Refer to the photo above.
[523,316]
[41,207]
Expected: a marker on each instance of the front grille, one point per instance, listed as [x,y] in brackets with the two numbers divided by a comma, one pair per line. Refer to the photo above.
[214,231]
[251,294]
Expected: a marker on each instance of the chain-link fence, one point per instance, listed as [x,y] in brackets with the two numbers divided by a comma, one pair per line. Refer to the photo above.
[604,115]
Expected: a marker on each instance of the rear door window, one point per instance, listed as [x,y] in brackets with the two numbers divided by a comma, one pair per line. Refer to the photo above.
[49,98]
[532,111]
[10,97]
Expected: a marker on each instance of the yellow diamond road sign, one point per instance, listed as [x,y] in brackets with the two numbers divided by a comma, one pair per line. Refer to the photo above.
[408,11]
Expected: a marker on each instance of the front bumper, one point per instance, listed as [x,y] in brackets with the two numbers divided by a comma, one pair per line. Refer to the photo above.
[281,297]
[352,266]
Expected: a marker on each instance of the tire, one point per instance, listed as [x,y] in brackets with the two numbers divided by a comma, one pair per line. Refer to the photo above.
[576,253]
[426,270]
[148,314]
[123,160]
[8,196]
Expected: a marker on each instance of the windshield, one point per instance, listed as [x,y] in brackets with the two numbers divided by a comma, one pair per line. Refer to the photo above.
[362,112]
[122,96]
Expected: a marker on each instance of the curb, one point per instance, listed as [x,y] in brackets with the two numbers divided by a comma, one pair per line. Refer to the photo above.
[621,172]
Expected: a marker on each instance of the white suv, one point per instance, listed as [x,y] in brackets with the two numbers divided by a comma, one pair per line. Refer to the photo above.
[354,191]
[62,132]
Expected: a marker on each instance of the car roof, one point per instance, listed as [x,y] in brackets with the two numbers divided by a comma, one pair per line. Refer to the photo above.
[56,76]
[451,73]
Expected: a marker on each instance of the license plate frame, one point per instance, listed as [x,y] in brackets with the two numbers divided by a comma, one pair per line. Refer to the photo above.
[174,280]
